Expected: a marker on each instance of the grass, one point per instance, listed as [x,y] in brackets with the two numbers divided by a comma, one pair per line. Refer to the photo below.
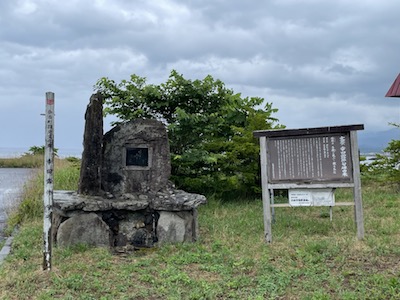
[310,257]
[24,161]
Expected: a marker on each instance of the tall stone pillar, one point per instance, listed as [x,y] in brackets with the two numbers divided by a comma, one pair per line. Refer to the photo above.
[90,176]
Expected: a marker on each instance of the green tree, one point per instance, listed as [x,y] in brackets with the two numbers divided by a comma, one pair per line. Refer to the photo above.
[210,129]
[38,150]
[386,167]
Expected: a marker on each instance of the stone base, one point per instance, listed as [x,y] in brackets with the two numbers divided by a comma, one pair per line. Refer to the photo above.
[86,228]
[134,220]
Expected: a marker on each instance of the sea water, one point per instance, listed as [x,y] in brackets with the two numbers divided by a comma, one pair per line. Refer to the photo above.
[12,181]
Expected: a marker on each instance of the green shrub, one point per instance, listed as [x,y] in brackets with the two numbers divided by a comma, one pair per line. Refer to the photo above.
[386,168]
[210,129]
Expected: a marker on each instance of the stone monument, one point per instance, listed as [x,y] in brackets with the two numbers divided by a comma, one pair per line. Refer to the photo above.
[125,199]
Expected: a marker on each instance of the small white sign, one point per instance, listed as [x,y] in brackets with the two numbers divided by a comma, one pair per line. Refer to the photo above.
[300,198]
[323,197]
[311,197]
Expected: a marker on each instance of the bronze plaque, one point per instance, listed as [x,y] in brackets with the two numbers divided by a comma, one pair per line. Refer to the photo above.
[137,157]
[312,158]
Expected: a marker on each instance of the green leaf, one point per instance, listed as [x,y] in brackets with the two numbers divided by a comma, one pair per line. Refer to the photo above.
[210,128]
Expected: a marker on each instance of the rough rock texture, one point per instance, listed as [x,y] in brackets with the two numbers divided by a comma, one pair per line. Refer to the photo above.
[175,227]
[176,200]
[137,229]
[118,176]
[86,228]
[57,219]
[90,176]
[134,220]
[70,201]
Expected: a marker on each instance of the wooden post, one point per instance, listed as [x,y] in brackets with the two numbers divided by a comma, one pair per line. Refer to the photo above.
[358,208]
[48,181]
[265,191]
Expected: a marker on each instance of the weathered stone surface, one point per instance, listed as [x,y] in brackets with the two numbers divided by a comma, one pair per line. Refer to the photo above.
[177,200]
[136,214]
[137,229]
[129,225]
[90,176]
[142,238]
[170,200]
[175,227]
[85,228]
[119,176]
[56,221]
[69,201]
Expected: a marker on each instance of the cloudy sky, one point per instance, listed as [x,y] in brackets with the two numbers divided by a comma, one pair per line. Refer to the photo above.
[320,62]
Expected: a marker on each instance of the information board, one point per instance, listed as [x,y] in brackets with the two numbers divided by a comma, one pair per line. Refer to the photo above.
[325,157]
[310,163]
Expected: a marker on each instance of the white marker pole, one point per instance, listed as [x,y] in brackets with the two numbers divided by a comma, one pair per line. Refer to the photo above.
[48,181]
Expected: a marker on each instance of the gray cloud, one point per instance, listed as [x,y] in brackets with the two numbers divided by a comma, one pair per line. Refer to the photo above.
[320,63]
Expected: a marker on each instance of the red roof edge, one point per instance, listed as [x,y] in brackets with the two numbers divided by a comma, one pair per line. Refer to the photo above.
[394,90]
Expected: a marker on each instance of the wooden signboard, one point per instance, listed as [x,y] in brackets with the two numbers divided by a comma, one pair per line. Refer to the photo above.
[310,158]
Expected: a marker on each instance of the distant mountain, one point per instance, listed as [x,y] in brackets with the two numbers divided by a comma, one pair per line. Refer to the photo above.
[369,142]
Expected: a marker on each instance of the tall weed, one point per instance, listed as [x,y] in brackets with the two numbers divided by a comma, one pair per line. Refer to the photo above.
[25,161]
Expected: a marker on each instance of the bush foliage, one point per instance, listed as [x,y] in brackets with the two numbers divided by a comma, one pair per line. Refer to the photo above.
[210,129]
[39,150]
[386,167]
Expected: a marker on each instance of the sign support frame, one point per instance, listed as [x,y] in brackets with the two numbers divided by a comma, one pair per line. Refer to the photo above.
[265,191]
[358,207]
